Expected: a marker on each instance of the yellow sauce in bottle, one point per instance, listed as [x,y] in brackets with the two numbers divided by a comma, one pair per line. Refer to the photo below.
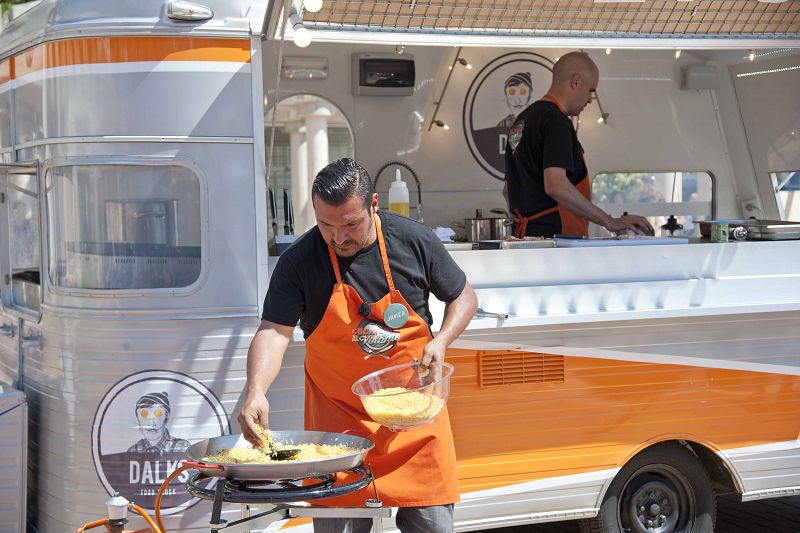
[400,208]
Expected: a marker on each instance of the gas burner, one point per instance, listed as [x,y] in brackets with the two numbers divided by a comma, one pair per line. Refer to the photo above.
[284,493]
[279,491]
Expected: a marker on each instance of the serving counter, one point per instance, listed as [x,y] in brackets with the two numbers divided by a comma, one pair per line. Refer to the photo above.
[579,285]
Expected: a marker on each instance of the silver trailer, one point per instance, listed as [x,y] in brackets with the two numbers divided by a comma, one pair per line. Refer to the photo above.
[133,257]
[132,207]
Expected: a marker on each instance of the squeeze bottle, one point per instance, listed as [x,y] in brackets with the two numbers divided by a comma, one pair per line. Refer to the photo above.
[398,195]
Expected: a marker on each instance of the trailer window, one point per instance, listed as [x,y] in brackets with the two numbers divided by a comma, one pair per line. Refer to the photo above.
[657,195]
[787,190]
[123,226]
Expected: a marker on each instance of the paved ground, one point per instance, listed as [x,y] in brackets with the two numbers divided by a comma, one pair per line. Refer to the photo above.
[780,515]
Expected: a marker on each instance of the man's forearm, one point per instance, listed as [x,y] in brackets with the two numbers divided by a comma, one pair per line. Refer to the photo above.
[457,315]
[564,192]
[265,356]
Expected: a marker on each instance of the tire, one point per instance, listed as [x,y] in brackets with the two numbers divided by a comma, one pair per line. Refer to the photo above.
[664,489]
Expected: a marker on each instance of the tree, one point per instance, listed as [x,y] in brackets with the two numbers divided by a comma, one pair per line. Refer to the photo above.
[628,185]
[5,5]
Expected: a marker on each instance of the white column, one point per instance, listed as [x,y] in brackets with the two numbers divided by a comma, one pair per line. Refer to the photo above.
[317,139]
[301,184]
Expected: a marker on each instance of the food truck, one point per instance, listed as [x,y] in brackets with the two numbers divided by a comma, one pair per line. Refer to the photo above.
[157,157]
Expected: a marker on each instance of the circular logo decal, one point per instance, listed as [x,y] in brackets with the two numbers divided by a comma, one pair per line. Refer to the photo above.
[142,430]
[500,91]
[374,338]
[395,316]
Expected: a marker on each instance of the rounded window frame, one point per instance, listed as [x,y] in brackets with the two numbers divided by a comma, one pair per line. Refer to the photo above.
[163,292]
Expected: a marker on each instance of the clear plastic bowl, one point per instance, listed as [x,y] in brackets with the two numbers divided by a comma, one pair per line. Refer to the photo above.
[402,398]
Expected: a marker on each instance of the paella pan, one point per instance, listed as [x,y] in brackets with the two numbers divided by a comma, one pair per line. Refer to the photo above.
[274,470]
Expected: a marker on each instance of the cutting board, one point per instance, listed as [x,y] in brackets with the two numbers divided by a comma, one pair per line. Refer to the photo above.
[638,240]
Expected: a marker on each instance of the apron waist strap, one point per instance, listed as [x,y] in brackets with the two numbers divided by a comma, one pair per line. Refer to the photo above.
[522,222]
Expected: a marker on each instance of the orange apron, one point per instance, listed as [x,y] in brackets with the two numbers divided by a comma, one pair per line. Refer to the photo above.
[412,468]
[571,224]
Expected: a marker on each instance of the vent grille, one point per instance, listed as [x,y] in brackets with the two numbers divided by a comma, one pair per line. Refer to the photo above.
[513,368]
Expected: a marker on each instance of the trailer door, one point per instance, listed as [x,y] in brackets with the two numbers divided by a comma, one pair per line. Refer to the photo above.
[20,262]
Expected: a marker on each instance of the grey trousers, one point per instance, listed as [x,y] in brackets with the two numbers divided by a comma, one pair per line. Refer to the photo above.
[433,519]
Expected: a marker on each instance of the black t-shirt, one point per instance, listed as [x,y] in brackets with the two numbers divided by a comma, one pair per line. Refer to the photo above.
[541,137]
[303,280]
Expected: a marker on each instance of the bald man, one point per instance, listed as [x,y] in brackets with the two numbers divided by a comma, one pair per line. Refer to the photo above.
[547,183]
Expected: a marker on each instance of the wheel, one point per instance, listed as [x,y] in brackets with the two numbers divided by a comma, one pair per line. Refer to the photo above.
[664,489]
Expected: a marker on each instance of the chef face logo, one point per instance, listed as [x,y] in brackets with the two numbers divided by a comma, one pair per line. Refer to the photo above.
[374,338]
[498,94]
[142,430]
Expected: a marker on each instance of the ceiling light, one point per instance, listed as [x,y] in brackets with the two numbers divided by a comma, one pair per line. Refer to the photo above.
[301,36]
[312,6]
[677,53]
[441,124]
[608,51]
[752,55]
[465,63]
[603,119]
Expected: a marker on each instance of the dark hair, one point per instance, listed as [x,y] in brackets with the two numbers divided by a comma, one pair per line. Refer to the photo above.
[340,181]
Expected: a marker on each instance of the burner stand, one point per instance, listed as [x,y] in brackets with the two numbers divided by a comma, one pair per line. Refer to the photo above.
[284,494]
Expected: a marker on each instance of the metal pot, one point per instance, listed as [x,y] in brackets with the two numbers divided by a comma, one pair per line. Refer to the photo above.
[486,229]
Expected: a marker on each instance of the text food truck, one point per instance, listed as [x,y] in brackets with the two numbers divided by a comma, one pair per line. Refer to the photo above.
[158,155]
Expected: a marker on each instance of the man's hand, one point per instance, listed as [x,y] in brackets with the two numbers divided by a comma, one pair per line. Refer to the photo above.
[263,364]
[634,223]
[254,413]
[433,352]
[457,315]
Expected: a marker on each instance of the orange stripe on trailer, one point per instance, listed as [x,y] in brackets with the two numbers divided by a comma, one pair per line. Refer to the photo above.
[293,522]
[5,71]
[95,50]
[603,412]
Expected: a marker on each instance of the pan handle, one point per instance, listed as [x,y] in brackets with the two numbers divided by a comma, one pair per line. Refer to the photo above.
[199,464]
[356,433]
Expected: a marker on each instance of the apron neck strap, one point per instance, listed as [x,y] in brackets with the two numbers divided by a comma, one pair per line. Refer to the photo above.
[384,257]
[335,264]
[381,248]
[553,99]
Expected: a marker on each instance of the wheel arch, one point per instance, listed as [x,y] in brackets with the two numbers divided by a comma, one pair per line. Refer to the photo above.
[717,465]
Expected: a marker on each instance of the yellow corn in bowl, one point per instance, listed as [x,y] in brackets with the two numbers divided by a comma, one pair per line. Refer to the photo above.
[401,397]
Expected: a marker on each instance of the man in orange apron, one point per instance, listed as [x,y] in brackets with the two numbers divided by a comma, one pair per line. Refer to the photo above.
[547,182]
[339,279]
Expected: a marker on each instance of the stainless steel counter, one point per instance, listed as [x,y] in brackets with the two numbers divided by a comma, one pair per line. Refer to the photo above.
[579,285]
